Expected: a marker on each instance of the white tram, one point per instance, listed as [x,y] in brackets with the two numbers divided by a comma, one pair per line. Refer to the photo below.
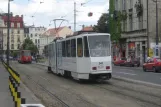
[83,57]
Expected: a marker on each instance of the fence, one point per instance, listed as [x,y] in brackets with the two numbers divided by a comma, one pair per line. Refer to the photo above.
[14,83]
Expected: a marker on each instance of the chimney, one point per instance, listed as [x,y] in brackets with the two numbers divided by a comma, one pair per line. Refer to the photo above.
[69,27]
[22,16]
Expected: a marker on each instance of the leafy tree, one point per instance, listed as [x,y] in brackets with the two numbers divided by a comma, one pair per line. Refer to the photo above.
[102,24]
[29,45]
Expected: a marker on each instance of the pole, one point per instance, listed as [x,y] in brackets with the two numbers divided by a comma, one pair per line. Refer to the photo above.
[147,28]
[8,28]
[74,16]
[157,27]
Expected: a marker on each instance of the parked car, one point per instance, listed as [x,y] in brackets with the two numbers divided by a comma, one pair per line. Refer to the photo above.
[153,64]
[120,62]
[133,62]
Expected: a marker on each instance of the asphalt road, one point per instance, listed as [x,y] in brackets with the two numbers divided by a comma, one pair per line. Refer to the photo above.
[137,73]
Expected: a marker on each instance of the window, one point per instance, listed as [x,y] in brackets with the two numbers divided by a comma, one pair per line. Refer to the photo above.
[12,24]
[18,46]
[0,46]
[18,39]
[73,48]
[38,41]
[68,48]
[131,3]
[31,35]
[130,23]
[35,41]
[123,4]
[12,46]
[99,46]
[18,25]
[86,50]
[36,34]
[12,31]
[63,49]
[79,47]
[18,31]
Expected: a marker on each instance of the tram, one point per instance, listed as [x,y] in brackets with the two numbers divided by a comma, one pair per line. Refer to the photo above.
[24,56]
[85,56]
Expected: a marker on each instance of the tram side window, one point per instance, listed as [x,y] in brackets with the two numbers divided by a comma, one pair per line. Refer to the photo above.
[86,50]
[68,48]
[73,47]
[63,49]
[79,47]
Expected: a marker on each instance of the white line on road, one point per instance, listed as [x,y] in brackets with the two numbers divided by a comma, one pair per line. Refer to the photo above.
[125,73]
[127,69]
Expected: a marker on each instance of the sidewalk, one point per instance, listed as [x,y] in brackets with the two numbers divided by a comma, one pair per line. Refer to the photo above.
[6,100]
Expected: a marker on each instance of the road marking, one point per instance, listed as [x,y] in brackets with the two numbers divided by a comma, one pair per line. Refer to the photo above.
[125,73]
[127,69]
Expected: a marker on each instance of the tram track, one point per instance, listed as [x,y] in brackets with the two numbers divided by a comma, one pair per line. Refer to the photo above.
[139,95]
[149,99]
[53,95]
[153,99]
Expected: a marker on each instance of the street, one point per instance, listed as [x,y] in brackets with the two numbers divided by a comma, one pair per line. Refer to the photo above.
[59,92]
[137,73]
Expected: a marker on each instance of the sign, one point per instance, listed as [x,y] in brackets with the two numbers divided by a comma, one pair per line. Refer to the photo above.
[156,46]
[151,52]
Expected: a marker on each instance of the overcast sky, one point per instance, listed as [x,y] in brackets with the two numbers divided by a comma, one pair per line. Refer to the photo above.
[50,9]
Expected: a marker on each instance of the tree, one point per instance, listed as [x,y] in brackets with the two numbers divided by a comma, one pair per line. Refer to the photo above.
[29,45]
[102,24]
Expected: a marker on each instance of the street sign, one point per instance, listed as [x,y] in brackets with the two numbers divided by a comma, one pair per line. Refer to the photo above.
[151,52]
[156,46]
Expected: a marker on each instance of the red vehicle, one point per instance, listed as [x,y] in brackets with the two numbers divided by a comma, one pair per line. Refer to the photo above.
[153,64]
[25,56]
[120,62]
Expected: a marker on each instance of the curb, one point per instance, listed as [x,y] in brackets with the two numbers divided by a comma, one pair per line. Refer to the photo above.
[137,82]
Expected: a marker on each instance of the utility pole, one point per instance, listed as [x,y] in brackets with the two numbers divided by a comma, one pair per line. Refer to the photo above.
[157,27]
[75,16]
[8,31]
[147,28]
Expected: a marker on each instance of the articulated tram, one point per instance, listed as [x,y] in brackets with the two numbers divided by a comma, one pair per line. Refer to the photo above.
[83,57]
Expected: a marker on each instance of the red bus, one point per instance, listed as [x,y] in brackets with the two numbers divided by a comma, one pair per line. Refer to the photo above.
[24,56]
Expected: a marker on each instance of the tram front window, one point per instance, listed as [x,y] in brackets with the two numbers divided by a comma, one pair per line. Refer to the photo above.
[99,46]
[27,53]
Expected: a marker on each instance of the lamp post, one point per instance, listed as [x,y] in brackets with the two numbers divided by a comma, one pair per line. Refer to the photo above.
[8,31]
[156,48]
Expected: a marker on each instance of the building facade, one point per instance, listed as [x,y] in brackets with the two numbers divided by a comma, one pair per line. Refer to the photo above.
[34,34]
[135,16]
[16,31]
[51,34]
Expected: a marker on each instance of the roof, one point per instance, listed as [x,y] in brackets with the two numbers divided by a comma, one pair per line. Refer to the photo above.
[87,29]
[53,31]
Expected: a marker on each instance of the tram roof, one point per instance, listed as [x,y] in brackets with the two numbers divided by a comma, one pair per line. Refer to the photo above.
[80,35]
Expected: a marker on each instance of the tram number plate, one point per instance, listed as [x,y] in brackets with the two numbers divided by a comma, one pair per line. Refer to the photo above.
[100,67]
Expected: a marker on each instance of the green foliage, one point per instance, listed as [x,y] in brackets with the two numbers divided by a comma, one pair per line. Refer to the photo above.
[29,45]
[115,22]
[102,24]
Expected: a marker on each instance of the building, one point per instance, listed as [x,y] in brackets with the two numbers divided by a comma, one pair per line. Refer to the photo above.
[16,31]
[132,15]
[34,34]
[1,34]
[52,33]
[87,28]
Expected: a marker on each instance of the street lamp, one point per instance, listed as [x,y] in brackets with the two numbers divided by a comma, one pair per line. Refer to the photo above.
[156,50]
[8,31]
